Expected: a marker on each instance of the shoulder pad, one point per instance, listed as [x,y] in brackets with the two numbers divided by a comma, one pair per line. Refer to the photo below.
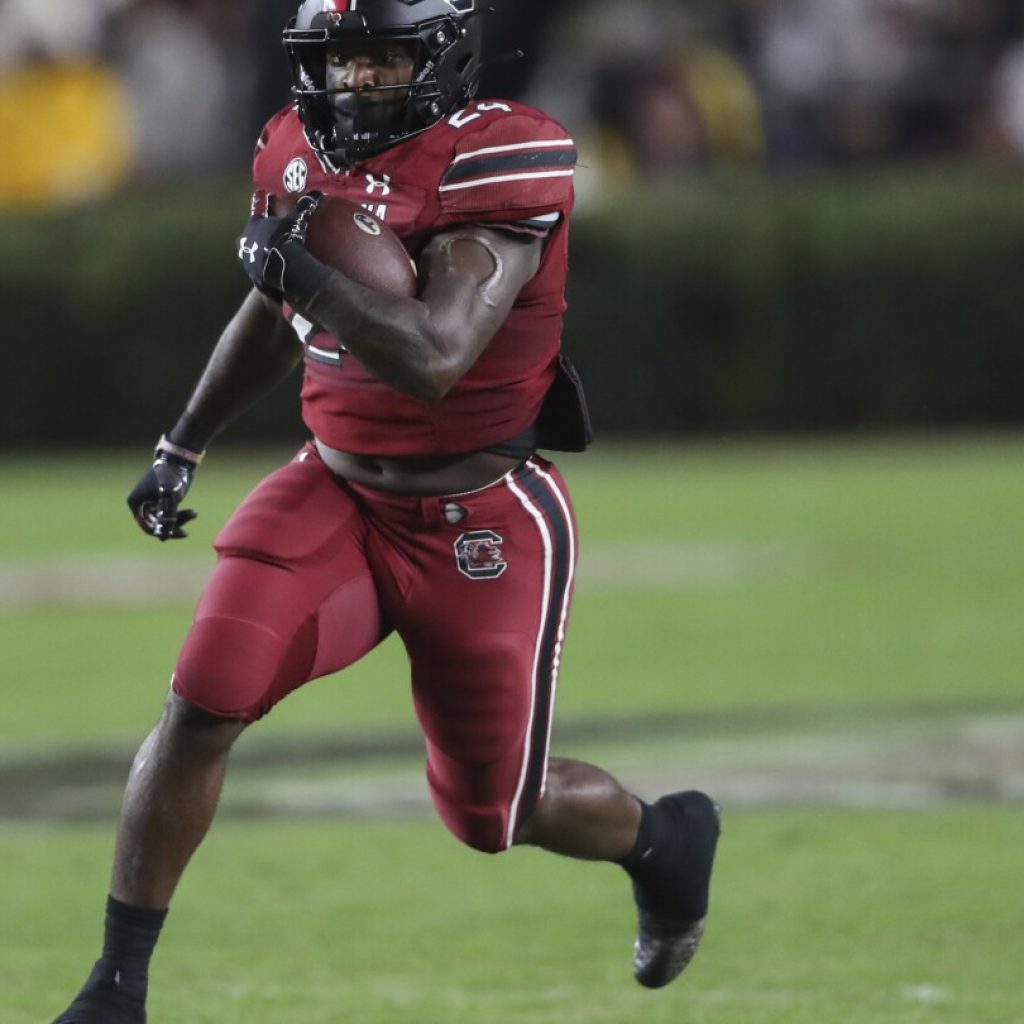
[507,157]
[272,126]
[276,144]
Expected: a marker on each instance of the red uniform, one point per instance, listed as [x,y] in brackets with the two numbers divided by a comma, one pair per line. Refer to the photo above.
[494,162]
[313,571]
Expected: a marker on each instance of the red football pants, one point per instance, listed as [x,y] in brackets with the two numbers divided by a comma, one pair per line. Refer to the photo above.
[313,572]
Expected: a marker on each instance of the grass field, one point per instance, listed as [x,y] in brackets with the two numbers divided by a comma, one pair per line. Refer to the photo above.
[828,634]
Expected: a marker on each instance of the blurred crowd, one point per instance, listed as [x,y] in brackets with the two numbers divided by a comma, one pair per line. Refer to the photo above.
[96,93]
[660,88]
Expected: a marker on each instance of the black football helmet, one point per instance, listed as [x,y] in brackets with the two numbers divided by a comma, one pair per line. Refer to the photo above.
[445,39]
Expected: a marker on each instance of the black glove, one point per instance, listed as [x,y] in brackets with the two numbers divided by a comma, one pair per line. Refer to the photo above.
[155,498]
[272,250]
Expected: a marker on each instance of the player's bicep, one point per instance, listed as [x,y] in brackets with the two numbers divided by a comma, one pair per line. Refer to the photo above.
[471,278]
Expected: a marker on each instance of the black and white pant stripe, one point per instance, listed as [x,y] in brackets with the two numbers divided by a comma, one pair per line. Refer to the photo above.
[544,499]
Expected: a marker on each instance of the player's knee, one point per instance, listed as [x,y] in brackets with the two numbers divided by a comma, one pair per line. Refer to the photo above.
[479,828]
[227,668]
[186,728]
[474,799]
[481,825]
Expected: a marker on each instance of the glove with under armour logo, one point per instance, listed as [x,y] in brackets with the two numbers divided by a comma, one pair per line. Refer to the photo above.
[273,253]
[155,498]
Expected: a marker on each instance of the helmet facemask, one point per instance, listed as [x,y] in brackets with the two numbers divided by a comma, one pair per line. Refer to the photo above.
[346,125]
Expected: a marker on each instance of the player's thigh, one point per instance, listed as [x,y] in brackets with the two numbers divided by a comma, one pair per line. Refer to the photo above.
[484,629]
[292,596]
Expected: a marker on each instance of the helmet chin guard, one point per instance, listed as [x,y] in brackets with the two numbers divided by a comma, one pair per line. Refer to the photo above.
[344,126]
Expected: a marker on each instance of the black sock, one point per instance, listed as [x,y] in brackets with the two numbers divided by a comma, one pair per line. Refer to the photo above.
[649,836]
[130,936]
[671,861]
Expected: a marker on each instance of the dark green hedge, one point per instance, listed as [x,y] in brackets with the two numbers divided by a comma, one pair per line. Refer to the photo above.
[739,305]
[870,302]
[112,311]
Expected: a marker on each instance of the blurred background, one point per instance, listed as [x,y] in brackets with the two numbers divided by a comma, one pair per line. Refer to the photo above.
[796,215]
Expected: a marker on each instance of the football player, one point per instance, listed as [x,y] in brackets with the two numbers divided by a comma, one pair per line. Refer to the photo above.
[419,506]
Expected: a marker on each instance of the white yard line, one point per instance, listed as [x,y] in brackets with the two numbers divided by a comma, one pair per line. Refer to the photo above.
[650,564]
[91,582]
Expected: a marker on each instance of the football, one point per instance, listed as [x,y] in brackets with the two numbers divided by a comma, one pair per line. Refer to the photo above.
[349,238]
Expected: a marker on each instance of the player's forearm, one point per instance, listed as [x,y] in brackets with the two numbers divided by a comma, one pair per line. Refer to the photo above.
[256,351]
[395,338]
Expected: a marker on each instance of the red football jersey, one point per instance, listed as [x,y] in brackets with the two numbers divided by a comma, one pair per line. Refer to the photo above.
[495,162]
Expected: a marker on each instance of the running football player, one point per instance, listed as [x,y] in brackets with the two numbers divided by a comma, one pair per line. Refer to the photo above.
[420,505]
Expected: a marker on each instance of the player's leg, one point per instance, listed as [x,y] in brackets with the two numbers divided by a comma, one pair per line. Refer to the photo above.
[485,638]
[169,802]
[172,794]
[667,848]
[481,599]
[584,813]
[291,599]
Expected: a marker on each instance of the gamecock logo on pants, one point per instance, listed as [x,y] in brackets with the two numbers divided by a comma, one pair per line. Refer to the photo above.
[479,555]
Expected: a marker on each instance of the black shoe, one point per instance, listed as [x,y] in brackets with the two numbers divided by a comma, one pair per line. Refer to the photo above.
[95,1009]
[102,1001]
[672,897]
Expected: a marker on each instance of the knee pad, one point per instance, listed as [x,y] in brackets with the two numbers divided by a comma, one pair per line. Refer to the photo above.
[237,669]
[483,826]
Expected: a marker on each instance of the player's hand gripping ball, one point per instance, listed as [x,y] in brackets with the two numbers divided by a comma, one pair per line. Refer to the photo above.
[349,238]
[285,253]
[272,248]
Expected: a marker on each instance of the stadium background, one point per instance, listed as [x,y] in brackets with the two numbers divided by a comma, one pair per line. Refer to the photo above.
[795,301]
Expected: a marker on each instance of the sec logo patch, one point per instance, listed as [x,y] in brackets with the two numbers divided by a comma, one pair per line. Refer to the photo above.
[296,174]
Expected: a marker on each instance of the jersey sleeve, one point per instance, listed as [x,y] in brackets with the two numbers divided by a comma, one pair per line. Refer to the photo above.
[265,172]
[514,168]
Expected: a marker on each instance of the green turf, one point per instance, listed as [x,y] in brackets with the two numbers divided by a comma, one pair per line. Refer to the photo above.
[828,573]
[872,578]
[864,918]
[895,490]
[61,506]
[99,675]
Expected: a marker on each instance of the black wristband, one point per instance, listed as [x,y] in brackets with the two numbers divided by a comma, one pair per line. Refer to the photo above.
[187,433]
[304,275]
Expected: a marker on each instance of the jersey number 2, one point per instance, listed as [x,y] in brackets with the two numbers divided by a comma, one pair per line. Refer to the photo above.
[463,117]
